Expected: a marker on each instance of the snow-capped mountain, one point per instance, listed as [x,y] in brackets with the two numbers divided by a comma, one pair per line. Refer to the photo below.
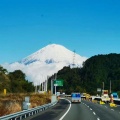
[53,54]
[45,62]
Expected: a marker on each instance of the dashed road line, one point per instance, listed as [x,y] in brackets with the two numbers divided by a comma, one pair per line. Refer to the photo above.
[105,106]
[90,108]
[94,113]
[98,118]
[112,109]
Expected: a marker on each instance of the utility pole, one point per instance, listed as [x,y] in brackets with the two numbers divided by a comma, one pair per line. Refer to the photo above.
[55,88]
[55,84]
[110,86]
[47,82]
[52,86]
[52,81]
[103,85]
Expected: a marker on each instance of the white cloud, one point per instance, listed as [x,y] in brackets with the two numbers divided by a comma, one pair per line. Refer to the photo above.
[37,69]
[36,72]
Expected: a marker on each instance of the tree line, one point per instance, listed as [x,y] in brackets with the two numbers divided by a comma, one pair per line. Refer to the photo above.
[96,70]
[14,82]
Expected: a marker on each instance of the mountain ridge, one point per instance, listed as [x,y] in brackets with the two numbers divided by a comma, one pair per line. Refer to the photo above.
[50,54]
[45,62]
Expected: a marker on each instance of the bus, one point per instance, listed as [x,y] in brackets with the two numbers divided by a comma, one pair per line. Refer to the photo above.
[76,98]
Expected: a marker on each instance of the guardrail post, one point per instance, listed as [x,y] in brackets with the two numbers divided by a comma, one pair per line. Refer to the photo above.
[20,117]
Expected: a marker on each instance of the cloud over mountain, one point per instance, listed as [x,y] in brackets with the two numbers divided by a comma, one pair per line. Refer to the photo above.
[45,62]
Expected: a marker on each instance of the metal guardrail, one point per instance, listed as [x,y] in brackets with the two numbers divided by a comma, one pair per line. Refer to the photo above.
[116,101]
[26,113]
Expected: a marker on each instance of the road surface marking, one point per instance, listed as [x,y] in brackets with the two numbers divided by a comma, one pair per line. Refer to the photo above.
[105,106]
[94,113]
[66,111]
[98,118]
[112,109]
[90,108]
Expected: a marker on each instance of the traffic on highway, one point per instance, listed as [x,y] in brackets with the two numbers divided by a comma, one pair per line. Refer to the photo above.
[84,110]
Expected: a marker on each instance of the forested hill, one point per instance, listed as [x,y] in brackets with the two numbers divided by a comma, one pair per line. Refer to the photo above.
[14,82]
[95,71]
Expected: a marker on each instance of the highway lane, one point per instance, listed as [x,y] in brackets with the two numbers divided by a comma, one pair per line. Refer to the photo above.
[83,111]
[104,112]
[53,113]
[79,111]
[76,111]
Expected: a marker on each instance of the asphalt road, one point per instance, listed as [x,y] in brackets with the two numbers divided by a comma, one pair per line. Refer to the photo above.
[53,113]
[104,112]
[83,111]
[79,111]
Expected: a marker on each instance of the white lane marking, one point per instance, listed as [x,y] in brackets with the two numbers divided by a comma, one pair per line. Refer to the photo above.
[94,113]
[66,111]
[90,108]
[105,106]
[98,118]
[112,109]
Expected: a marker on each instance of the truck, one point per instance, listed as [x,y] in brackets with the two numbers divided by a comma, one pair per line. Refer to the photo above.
[105,97]
[76,98]
[115,95]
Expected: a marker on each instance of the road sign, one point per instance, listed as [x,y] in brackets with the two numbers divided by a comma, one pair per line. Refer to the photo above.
[58,82]
[98,89]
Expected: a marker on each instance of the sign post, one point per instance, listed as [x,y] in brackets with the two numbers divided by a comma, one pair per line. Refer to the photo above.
[58,82]
[99,91]
[55,88]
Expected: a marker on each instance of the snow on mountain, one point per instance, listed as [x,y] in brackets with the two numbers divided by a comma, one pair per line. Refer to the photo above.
[45,62]
[53,54]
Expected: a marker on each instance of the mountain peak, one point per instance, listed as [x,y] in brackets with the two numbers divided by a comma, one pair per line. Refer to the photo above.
[45,62]
[53,53]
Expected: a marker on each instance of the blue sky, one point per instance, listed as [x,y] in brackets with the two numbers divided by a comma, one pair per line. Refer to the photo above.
[89,27]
